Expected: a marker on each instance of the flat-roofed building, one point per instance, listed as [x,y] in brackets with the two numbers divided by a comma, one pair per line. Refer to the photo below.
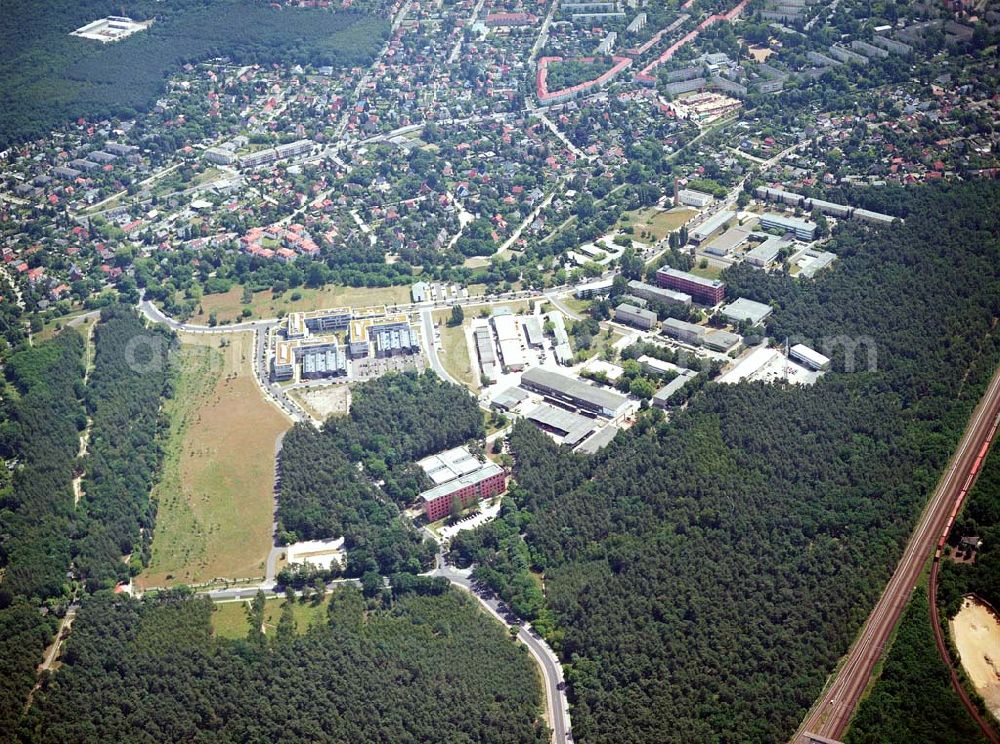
[322,360]
[689,333]
[662,397]
[363,331]
[743,310]
[704,291]
[533,332]
[809,357]
[715,222]
[802,229]
[866,215]
[457,474]
[283,364]
[593,289]
[813,262]
[692,198]
[487,356]
[728,242]
[723,341]
[580,395]
[765,253]
[509,342]
[571,428]
[653,366]
[635,316]
[652,293]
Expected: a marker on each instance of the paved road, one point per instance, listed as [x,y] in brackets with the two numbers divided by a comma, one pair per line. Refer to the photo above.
[556,704]
[831,714]
[427,327]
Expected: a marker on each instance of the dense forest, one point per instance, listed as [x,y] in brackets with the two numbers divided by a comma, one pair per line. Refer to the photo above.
[403,667]
[329,478]
[706,574]
[39,437]
[43,418]
[913,699]
[49,77]
[124,394]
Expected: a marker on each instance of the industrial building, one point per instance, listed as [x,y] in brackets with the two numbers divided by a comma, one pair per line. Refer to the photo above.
[746,311]
[652,293]
[689,333]
[571,428]
[802,229]
[704,291]
[635,316]
[532,332]
[574,392]
[487,356]
[458,473]
[809,357]
[709,226]
[509,342]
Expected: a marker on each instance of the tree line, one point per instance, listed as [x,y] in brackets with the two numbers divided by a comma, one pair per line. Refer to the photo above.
[412,665]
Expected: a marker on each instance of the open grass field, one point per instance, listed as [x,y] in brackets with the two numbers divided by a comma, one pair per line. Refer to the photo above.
[228,307]
[454,351]
[52,326]
[660,223]
[711,271]
[230,618]
[214,497]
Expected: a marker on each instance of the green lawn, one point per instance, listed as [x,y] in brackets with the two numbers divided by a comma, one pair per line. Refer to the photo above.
[228,306]
[659,223]
[229,620]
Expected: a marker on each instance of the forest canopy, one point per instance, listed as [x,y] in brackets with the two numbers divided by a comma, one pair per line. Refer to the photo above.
[403,668]
[705,574]
[48,77]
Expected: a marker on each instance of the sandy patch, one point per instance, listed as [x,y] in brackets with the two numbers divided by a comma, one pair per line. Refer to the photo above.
[332,400]
[976,630]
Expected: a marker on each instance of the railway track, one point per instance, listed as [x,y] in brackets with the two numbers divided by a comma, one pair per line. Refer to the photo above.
[830,715]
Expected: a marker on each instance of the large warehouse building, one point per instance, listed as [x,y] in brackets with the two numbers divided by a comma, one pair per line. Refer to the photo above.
[580,395]
[704,291]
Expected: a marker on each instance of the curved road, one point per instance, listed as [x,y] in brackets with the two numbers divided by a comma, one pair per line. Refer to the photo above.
[830,715]
[556,704]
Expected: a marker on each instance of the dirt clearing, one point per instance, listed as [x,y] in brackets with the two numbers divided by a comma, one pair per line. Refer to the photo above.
[976,630]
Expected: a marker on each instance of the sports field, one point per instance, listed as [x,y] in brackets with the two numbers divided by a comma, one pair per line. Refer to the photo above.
[215,495]
[228,306]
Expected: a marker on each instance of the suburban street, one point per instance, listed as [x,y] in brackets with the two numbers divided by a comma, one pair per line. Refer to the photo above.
[830,715]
